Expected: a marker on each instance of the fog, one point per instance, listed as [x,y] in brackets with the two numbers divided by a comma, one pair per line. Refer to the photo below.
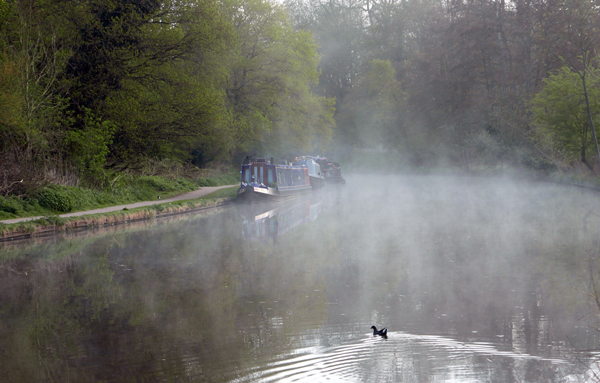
[475,279]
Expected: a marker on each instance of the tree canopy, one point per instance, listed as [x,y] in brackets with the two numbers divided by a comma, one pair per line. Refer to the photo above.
[113,84]
[561,114]
[97,86]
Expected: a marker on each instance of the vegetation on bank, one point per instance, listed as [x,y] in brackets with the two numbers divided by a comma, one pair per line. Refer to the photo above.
[54,200]
[96,88]
[100,88]
[57,223]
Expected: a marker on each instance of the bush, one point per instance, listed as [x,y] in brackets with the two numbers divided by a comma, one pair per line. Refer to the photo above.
[186,184]
[206,182]
[8,205]
[158,183]
[56,198]
[52,220]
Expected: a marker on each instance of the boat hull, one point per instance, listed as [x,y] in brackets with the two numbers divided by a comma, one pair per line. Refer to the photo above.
[256,194]
[317,182]
[335,180]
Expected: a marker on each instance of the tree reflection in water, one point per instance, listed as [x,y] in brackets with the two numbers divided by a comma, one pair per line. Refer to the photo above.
[476,279]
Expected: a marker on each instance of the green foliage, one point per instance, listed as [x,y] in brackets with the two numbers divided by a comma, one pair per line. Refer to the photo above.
[169,116]
[205,182]
[8,205]
[11,100]
[125,189]
[103,85]
[88,146]
[269,90]
[158,183]
[372,113]
[56,198]
[53,220]
[560,113]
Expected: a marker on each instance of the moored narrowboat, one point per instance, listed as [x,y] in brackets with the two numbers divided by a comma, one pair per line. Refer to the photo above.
[317,180]
[264,180]
[331,171]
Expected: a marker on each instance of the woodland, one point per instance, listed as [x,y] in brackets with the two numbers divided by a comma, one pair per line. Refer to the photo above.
[93,88]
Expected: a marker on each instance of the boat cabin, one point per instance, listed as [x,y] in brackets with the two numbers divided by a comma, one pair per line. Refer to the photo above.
[263,173]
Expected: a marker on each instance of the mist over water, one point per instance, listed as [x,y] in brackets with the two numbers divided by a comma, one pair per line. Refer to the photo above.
[476,279]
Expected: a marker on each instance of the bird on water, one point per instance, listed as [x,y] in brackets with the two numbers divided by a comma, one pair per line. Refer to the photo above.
[382,332]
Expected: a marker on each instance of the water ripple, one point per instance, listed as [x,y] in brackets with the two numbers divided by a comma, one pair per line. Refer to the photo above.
[401,356]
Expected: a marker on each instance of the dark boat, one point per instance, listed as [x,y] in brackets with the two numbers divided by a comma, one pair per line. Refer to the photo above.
[263,180]
[331,171]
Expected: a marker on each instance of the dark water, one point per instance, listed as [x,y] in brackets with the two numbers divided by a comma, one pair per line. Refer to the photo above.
[476,280]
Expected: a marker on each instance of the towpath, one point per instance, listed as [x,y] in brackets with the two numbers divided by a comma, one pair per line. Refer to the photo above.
[190,195]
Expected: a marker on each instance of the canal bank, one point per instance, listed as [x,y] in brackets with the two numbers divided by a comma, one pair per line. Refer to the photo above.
[29,227]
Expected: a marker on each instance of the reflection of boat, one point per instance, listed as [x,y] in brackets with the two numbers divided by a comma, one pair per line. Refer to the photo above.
[265,180]
[331,171]
[263,222]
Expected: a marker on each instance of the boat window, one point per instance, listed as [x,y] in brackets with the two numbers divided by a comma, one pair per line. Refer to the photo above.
[255,173]
[270,176]
[247,175]
[262,174]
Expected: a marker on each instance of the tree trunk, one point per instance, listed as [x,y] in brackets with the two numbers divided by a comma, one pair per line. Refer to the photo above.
[589,113]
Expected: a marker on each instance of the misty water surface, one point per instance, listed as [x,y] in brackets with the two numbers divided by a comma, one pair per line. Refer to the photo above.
[476,279]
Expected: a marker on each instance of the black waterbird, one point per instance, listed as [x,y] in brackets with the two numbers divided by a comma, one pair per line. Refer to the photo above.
[382,332]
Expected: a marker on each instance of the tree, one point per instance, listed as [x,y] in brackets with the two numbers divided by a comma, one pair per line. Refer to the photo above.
[338,27]
[560,113]
[32,57]
[151,69]
[372,113]
[269,91]
[584,19]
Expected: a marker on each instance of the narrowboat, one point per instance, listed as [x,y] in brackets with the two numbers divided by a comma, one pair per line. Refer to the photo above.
[331,171]
[317,180]
[263,180]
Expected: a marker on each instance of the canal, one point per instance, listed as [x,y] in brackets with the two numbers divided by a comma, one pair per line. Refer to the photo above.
[476,279]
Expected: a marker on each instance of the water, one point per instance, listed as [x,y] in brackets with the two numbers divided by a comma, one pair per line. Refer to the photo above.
[476,280]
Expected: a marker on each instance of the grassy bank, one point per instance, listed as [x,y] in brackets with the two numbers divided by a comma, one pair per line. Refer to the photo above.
[53,200]
[54,223]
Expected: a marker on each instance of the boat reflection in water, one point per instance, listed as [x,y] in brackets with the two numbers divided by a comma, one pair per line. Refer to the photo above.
[263,222]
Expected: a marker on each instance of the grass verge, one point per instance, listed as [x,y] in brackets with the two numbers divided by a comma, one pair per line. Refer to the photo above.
[54,223]
[54,200]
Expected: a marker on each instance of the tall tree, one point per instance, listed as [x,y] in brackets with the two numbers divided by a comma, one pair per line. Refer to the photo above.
[269,91]
[560,112]
[339,30]
[372,113]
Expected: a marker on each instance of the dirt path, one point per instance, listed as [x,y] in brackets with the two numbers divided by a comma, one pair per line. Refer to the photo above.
[190,195]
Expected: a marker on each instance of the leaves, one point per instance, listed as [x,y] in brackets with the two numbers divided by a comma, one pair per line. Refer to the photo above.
[561,115]
[269,89]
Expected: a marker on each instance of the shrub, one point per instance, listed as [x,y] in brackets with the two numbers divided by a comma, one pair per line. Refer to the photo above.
[8,205]
[186,184]
[206,182]
[157,183]
[55,220]
[56,198]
